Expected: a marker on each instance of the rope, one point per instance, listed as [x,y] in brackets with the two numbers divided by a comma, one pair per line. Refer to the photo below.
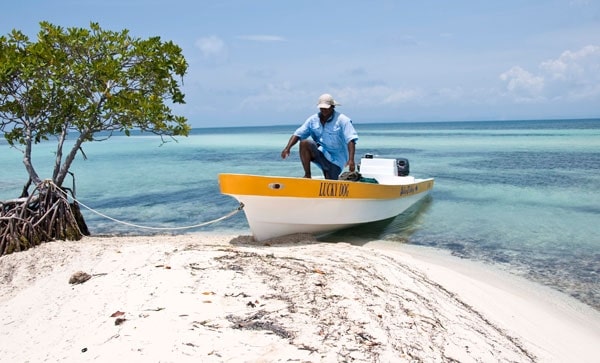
[239,208]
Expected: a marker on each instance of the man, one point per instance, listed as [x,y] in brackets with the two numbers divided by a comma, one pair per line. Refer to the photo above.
[332,142]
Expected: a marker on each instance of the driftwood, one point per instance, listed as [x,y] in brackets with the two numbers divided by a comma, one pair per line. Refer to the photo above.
[43,216]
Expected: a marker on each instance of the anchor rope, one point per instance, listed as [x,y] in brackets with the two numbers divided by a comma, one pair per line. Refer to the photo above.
[228,215]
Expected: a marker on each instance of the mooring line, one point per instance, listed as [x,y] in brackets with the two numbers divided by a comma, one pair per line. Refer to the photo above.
[239,208]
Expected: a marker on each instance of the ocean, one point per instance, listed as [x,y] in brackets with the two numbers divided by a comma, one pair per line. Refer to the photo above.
[521,195]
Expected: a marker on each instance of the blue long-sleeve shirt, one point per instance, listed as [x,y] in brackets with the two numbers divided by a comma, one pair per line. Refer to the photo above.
[333,137]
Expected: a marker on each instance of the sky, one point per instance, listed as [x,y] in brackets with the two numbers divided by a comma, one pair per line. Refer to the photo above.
[265,62]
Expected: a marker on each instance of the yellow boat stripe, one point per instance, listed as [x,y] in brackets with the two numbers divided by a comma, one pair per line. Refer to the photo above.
[271,186]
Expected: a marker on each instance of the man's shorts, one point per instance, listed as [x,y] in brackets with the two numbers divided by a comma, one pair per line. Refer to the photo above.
[330,170]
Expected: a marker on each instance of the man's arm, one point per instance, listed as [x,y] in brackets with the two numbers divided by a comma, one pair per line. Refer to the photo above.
[351,151]
[286,151]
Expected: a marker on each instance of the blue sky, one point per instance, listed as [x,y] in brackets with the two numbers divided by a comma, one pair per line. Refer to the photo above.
[266,62]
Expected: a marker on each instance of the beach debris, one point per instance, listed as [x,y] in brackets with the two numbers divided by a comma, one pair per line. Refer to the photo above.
[196,266]
[79,277]
[215,353]
[256,322]
[367,339]
[206,323]
[118,315]
[119,321]
[242,294]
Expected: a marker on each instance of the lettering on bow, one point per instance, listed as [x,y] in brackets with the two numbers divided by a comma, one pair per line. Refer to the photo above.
[334,190]
[409,189]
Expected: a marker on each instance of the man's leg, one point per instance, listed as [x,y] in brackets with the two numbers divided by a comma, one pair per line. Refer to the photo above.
[309,152]
[332,172]
[308,148]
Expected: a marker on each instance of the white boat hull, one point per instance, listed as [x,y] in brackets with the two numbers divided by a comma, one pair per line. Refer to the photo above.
[270,217]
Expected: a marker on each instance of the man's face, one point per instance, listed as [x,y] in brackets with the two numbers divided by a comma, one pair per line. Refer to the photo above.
[326,112]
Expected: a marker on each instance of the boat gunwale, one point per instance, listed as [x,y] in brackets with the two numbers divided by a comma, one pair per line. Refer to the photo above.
[282,186]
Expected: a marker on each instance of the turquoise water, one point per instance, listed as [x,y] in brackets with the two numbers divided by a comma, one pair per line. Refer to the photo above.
[524,195]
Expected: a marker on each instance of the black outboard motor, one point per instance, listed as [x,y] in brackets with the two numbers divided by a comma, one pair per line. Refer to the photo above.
[402,166]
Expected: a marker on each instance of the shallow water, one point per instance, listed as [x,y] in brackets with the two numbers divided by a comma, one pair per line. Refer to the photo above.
[520,194]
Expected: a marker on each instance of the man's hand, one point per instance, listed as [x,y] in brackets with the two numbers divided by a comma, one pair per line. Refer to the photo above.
[351,165]
[351,151]
[286,150]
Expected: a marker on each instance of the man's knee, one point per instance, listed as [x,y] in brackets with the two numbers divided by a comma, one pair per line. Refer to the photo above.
[307,144]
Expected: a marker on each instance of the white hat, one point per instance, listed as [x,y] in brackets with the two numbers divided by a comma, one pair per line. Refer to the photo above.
[326,100]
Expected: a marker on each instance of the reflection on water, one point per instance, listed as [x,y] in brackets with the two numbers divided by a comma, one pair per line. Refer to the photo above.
[399,228]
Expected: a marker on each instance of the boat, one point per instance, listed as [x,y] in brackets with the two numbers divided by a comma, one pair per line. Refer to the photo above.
[276,206]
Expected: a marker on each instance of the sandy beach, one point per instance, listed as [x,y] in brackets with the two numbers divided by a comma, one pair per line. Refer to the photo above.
[225,298]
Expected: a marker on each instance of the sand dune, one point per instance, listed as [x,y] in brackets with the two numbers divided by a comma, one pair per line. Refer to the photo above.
[225,298]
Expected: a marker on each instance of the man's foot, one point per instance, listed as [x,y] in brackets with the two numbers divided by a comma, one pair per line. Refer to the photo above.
[307,176]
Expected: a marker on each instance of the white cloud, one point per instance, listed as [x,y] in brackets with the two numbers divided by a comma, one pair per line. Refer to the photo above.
[212,47]
[573,76]
[523,84]
[584,63]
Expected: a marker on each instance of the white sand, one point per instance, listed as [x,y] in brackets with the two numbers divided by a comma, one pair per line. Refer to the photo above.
[219,298]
